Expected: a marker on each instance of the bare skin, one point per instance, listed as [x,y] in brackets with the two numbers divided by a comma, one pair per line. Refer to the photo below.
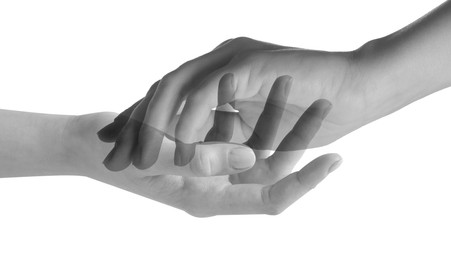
[373,81]
[212,183]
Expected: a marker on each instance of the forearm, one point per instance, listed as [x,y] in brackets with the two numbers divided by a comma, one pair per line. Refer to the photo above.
[32,144]
[408,64]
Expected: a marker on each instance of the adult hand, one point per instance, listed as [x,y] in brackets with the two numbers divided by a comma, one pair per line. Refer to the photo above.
[250,67]
[268,187]
[375,80]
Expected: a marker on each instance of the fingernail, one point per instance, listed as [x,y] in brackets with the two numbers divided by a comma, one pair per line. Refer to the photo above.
[241,158]
[334,166]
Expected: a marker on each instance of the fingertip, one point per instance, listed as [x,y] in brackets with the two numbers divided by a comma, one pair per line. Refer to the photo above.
[324,105]
[109,133]
[226,89]
[146,152]
[281,88]
[113,164]
[285,79]
[338,160]
[184,153]
[119,157]
[227,79]
[241,158]
[215,158]
[144,160]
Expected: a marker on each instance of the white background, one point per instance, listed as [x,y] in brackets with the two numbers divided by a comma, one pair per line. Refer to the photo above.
[389,200]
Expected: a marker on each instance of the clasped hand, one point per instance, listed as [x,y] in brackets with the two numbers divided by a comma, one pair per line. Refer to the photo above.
[212,179]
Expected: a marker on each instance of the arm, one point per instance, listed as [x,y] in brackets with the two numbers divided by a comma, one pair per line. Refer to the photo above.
[408,64]
[366,84]
[32,145]
[36,144]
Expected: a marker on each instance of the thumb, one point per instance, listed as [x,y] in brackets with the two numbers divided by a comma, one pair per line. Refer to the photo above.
[209,159]
[214,158]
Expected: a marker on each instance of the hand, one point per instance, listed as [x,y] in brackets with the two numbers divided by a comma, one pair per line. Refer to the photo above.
[210,158]
[267,187]
[254,66]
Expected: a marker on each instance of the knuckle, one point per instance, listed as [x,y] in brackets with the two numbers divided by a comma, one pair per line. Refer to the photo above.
[224,43]
[247,57]
[168,79]
[227,41]
[242,39]
[305,183]
[201,165]
[271,207]
[184,66]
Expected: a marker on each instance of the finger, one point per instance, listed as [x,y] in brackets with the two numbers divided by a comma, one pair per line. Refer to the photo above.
[275,198]
[197,109]
[176,85]
[210,159]
[120,156]
[222,129]
[290,150]
[265,130]
[279,196]
[110,132]
[225,94]
[167,100]
[221,159]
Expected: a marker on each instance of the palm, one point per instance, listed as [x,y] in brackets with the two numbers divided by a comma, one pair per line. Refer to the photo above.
[242,192]
[268,187]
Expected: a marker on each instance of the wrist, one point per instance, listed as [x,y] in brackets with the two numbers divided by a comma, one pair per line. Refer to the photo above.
[395,74]
[73,146]
[386,85]
[84,152]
